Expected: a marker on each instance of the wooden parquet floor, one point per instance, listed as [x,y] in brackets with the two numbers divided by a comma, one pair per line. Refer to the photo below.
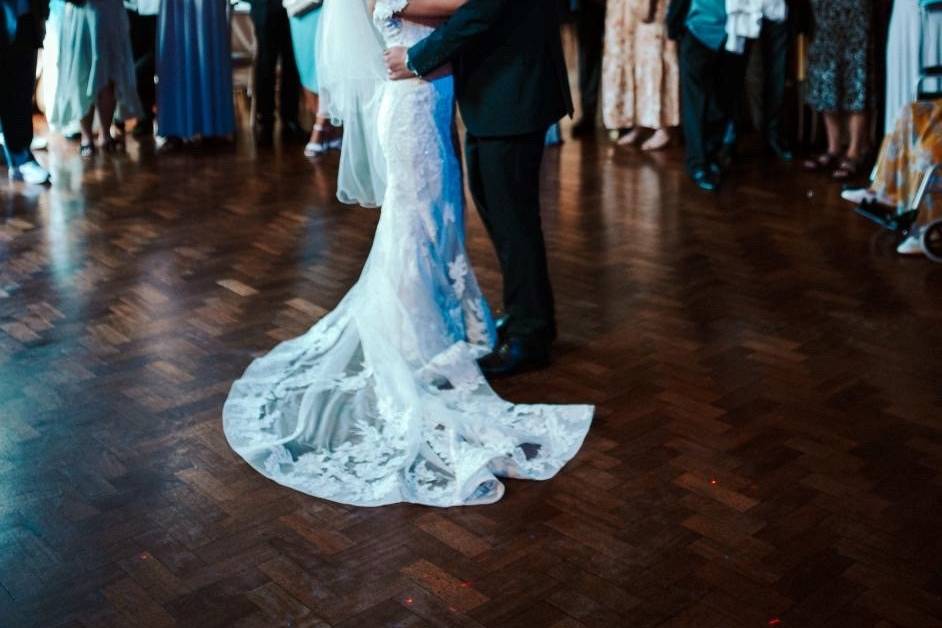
[767,450]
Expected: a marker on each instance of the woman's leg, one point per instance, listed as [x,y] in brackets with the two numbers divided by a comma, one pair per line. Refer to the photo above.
[857,127]
[832,125]
[105,103]
[660,139]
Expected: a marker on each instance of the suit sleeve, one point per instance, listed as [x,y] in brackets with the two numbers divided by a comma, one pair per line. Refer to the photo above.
[468,22]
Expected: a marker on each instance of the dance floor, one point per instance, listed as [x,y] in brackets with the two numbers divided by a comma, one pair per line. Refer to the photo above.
[767,449]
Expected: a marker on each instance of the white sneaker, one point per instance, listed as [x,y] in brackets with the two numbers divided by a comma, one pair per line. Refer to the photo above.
[31,172]
[858,196]
[911,246]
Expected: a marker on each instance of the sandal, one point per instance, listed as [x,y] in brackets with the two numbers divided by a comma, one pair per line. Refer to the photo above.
[323,142]
[849,169]
[824,161]
[87,150]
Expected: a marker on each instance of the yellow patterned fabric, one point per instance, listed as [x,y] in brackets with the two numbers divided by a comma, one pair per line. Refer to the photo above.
[913,146]
[639,69]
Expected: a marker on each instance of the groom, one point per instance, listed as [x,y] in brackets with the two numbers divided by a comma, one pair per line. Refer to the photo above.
[511,85]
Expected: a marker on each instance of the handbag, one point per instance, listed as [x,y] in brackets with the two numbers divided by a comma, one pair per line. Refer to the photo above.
[295,8]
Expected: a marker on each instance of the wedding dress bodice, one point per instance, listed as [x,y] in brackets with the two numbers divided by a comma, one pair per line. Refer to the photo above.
[395,30]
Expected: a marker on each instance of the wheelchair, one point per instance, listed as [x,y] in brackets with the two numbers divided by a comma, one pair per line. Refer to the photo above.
[902,223]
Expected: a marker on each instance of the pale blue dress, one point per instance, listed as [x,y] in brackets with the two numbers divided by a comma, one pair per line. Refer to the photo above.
[303,37]
[194,70]
[94,50]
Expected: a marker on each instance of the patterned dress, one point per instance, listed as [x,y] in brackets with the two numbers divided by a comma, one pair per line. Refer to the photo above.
[839,56]
[913,146]
[639,68]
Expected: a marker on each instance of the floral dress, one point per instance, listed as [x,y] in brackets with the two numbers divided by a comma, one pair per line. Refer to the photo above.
[639,68]
[839,56]
[908,151]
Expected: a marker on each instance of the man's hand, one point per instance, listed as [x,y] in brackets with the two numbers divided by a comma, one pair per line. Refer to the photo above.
[396,64]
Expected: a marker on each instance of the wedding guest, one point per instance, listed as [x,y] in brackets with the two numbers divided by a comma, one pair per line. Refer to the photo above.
[903,54]
[194,64]
[324,136]
[774,42]
[640,73]
[711,78]
[96,71]
[839,82]
[142,15]
[272,33]
[21,34]
[914,144]
[590,29]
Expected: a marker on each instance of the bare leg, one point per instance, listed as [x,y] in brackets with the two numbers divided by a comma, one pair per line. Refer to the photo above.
[86,124]
[106,106]
[659,140]
[857,125]
[832,124]
[631,137]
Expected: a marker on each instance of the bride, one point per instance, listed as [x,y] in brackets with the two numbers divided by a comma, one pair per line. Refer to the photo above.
[382,401]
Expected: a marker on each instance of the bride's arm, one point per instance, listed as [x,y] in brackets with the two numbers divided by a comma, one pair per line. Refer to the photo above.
[432,8]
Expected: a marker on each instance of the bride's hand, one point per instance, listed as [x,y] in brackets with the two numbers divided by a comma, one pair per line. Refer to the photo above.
[396,64]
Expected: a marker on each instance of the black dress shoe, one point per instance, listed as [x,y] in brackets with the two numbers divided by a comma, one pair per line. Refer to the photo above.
[583,128]
[704,179]
[264,135]
[294,132]
[144,128]
[514,356]
[783,153]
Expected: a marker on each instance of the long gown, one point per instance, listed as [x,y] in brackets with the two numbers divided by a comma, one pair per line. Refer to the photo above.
[194,66]
[382,400]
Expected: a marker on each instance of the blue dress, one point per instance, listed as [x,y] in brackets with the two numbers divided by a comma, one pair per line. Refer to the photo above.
[303,38]
[194,70]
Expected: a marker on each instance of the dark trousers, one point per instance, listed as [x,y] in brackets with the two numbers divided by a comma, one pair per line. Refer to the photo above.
[774,41]
[273,34]
[590,25]
[17,80]
[504,177]
[711,83]
[144,46]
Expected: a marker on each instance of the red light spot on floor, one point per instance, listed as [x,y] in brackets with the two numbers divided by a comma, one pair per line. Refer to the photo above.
[408,601]
[714,482]
[775,621]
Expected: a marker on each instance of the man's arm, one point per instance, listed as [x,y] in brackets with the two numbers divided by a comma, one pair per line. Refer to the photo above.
[468,22]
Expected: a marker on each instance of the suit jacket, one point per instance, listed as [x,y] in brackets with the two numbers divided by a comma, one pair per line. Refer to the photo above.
[677,12]
[510,72]
[36,23]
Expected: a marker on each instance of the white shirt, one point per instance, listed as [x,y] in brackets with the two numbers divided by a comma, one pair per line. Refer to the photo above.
[142,7]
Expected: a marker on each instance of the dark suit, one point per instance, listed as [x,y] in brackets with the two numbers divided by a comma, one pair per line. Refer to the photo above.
[19,41]
[511,84]
[144,44]
[273,34]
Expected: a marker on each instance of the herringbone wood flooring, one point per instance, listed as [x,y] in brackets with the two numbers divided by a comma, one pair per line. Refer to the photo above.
[767,451]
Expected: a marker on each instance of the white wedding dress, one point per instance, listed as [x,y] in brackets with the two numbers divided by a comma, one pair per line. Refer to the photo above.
[382,400]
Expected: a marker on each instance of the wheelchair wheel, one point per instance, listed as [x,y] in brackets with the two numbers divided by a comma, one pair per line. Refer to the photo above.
[932,240]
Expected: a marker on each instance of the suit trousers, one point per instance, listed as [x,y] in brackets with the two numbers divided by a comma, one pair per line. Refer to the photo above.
[774,41]
[711,83]
[17,82]
[273,36]
[504,177]
[590,25]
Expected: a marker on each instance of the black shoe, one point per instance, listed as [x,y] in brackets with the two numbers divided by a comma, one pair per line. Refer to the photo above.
[143,128]
[783,153]
[704,179]
[264,134]
[293,132]
[583,128]
[514,356]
